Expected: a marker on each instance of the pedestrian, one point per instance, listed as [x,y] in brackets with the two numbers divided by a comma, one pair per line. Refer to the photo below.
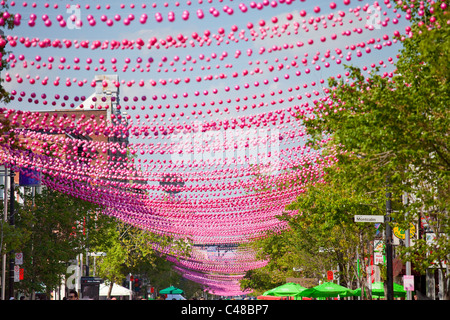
[73,295]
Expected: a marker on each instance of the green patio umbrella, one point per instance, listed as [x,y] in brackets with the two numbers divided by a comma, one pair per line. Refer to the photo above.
[378,290]
[326,290]
[286,290]
[171,290]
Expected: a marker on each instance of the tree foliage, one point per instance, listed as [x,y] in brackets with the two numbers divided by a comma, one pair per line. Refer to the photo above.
[397,131]
[130,249]
[322,236]
[49,231]
[8,23]
[282,254]
[53,228]
[388,133]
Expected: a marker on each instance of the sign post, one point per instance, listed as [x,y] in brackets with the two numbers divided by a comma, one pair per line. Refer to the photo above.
[12,273]
[388,239]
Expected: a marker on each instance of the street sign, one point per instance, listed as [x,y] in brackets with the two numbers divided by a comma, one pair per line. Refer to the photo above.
[369,218]
[330,275]
[378,258]
[408,282]
[400,233]
[96,280]
[97,254]
[16,273]
[30,178]
[19,258]
[90,287]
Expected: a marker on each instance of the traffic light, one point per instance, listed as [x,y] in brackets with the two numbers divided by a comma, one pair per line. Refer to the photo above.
[137,285]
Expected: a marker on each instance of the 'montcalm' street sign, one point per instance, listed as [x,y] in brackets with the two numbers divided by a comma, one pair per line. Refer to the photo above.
[369,218]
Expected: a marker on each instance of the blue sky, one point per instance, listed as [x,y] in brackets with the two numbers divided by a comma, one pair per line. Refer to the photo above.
[239,66]
[162,30]
[216,63]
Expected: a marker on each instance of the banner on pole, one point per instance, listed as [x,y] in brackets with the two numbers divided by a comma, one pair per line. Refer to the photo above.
[408,282]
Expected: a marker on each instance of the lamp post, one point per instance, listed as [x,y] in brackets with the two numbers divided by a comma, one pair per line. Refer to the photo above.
[5,215]
[388,236]
[407,244]
[12,223]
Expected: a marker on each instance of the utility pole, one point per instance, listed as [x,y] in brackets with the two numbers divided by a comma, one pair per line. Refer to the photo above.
[5,202]
[407,245]
[12,223]
[388,236]
[5,218]
[87,244]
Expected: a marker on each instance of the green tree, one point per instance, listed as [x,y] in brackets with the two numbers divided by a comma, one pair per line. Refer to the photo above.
[130,249]
[161,274]
[322,236]
[8,23]
[48,230]
[385,135]
[285,258]
[326,229]
[396,130]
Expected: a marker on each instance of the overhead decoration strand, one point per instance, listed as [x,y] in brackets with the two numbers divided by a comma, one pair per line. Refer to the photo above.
[186,118]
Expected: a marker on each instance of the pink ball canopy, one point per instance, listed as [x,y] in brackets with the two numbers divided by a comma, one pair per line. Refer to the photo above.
[194,130]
